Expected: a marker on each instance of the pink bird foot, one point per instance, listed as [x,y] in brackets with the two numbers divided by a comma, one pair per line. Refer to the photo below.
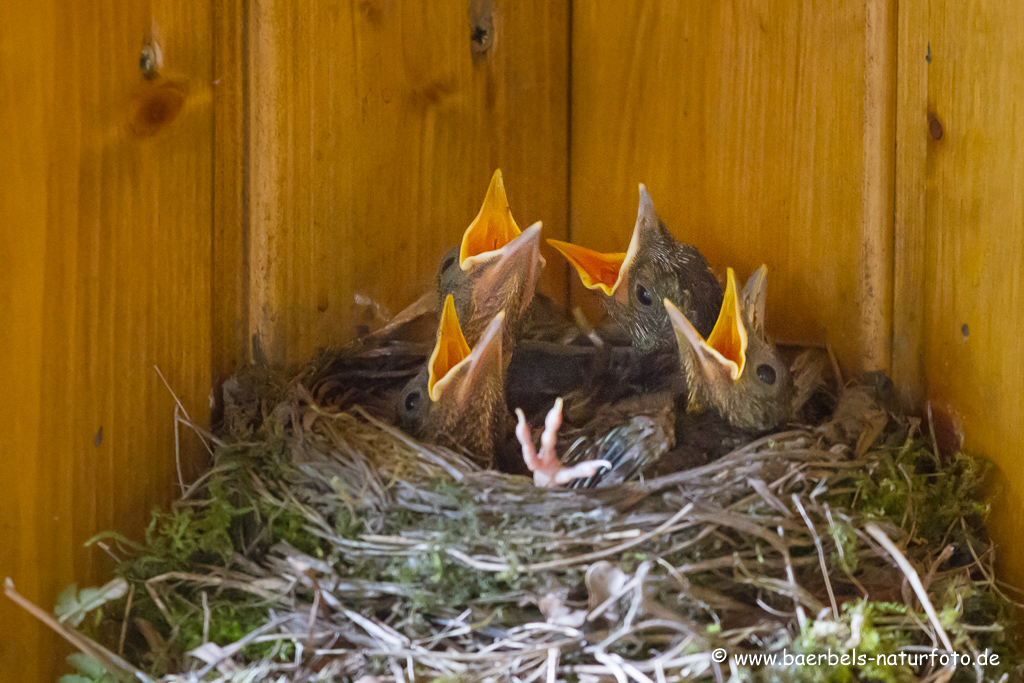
[547,469]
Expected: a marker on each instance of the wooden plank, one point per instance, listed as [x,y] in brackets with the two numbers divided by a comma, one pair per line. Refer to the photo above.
[965,244]
[764,130]
[879,183]
[374,129]
[229,317]
[104,273]
[908,343]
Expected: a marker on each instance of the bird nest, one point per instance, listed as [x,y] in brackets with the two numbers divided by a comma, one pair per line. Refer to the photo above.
[326,545]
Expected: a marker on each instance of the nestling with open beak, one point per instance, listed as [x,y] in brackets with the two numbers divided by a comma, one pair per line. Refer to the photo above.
[495,268]
[736,371]
[458,399]
[655,267]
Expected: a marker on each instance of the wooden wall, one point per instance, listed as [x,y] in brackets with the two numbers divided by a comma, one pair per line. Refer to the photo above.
[375,127]
[104,272]
[873,158]
[764,131]
[959,294]
[332,149]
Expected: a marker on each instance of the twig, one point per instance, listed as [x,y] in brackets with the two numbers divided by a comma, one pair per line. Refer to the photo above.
[821,555]
[913,578]
[110,661]
[206,617]
[586,328]
[124,622]
[184,412]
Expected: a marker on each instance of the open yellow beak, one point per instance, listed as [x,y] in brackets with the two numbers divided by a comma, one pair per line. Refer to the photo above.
[450,350]
[608,271]
[456,370]
[729,336]
[492,228]
[596,270]
[726,346]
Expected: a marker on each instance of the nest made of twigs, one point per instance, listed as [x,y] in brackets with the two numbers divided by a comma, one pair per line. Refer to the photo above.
[325,544]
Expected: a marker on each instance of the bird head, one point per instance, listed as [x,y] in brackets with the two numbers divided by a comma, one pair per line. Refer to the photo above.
[655,267]
[458,399]
[736,370]
[495,268]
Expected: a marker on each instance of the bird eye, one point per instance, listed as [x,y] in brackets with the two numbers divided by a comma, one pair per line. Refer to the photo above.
[447,263]
[643,296]
[766,373]
[412,400]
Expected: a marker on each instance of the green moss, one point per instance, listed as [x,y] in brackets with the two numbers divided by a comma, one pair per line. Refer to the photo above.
[290,526]
[232,617]
[910,487]
[844,650]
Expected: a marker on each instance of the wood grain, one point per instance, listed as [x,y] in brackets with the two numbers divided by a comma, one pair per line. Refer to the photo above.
[908,341]
[326,151]
[229,313]
[374,128]
[960,286]
[764,131]
[104,273]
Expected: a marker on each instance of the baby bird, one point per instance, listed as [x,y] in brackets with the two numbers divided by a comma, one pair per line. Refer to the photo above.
[655,268]
[613,447]
[736,371]
[458,399]
[495,268]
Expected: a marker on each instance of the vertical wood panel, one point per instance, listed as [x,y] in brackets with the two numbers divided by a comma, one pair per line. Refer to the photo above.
[764,130]
[961,246]
[104,273]
[908,342]
[374,130]
[229,317]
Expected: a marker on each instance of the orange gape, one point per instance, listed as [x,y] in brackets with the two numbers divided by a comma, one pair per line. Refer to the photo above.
[726,346]
[493,227]
[596,270]
[450,350]
[729,336]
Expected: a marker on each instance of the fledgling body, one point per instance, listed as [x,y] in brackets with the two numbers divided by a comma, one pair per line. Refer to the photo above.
[633,284]
[738,383]
[736,372]
[630,435]
[458,399]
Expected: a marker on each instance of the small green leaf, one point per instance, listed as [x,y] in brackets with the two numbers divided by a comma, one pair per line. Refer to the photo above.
[72,607]
[67,600]
[87,665]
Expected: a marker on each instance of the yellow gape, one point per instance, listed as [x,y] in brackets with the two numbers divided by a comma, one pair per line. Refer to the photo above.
[492,228]
[596,270]
[728,339]
[450,350]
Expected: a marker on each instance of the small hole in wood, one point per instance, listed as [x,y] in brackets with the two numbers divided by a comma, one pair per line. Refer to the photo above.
[965,331]
[151,59]
[481,26]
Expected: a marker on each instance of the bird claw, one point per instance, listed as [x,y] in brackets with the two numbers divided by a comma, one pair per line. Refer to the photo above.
[545,465]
